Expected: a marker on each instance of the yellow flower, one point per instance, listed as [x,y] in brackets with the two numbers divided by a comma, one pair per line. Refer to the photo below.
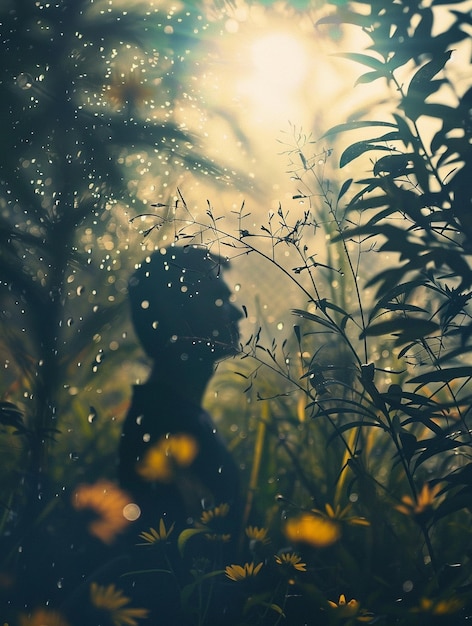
[241,572]
[112,601]
[351,609]
[42,617]
[424,501]
[215,520]
[213,514]
[153,536]
[321,528]
[343,516]
[445,606]
[166,456]
[290,560]
[257,535]
[109,503]
[313,529]
[348,609]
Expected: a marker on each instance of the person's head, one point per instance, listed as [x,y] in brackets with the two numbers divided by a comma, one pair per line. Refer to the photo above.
[180,303]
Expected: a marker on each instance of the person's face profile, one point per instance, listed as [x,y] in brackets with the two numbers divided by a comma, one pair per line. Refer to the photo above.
[180,298]
[211,315]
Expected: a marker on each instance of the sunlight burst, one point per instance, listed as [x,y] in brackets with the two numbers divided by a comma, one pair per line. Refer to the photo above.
[279,70]
[280,61]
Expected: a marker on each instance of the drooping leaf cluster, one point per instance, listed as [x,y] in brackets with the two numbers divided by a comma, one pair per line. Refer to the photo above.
[414,207]
[417,201]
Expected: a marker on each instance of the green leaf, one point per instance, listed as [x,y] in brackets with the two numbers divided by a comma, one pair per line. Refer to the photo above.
[369,77]
[364,59]
[404,131]
[445,375]
[453,503]
[407,328]
[188,590]
[398,290]
[421,79]
[187,534]
[314,318]
[344,188]
[432,447]
[358,148]
[342,428]
[341,128]
[324,304]
[395,164]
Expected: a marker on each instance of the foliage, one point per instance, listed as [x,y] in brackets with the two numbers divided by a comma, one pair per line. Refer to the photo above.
[359,481]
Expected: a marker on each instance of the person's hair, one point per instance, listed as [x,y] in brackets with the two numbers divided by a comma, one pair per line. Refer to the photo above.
[161,292]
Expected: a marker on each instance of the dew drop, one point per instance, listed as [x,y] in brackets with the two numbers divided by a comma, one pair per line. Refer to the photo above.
[131,512]
[24,81]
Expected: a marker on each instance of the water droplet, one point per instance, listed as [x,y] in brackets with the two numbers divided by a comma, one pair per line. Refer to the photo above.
[24,81]
[73,456]
[70,321]
[92,415]
[131,512]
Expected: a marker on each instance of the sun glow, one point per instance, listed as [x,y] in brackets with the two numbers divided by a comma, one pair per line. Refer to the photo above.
[279,61]
[280,66]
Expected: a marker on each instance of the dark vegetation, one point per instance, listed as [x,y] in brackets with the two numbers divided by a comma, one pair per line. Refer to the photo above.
[356,453]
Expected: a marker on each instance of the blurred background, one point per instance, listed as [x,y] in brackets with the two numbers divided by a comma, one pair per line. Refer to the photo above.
[112,108]
[127,126]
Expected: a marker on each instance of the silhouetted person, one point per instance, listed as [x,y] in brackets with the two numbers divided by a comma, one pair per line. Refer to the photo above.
[171,459]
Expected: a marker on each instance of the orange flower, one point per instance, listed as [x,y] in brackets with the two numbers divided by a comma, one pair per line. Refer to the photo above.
[42,617]
[424,501]
[112,602]
[110,505]
[166,456]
